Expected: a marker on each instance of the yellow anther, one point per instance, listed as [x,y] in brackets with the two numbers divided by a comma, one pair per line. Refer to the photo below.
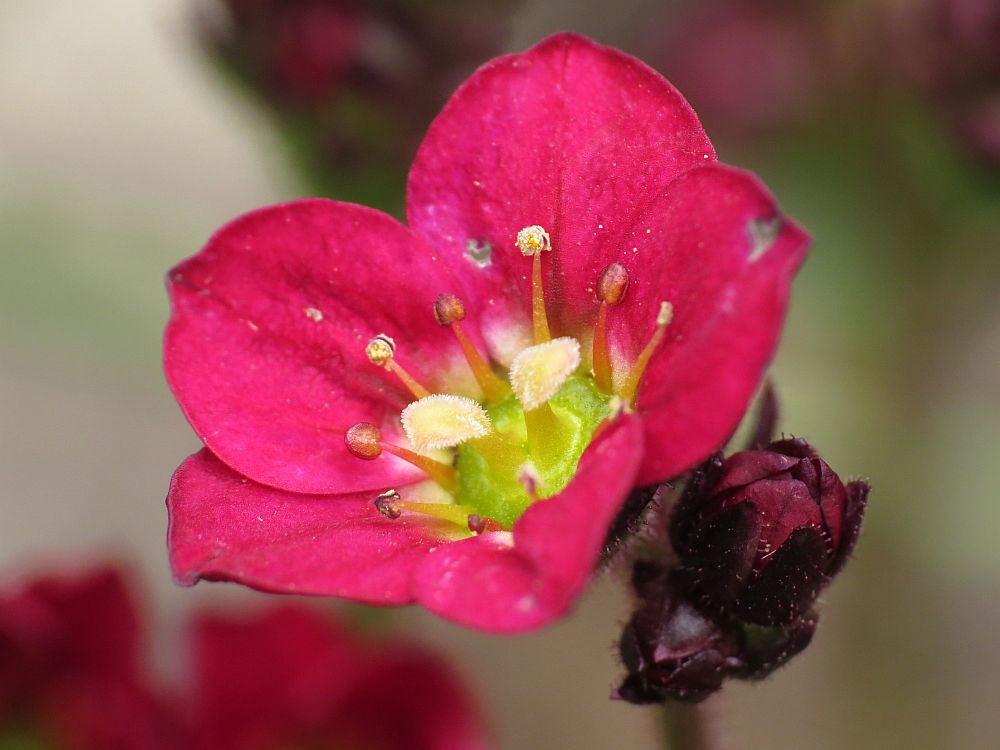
[539,371]
[380,349]
[533,240]
[444,421]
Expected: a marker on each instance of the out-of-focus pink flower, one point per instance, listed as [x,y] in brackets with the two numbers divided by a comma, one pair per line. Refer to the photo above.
[73,677]
[605,298]
[353,84]
[71,668]
[949,51]
[297,51]
[288,677]
[745,64]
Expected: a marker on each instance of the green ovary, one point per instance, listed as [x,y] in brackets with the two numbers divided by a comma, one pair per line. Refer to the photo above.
[489,480]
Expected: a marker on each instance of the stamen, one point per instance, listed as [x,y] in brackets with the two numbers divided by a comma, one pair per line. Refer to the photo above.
[611,287]
[364,440]
[380,351]
[533,241]
[631,387]
[449,311]
[390,505]
[444,421]
[539,371]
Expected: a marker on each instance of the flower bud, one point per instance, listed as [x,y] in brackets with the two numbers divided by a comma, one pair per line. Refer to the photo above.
[760,534]
[670,649]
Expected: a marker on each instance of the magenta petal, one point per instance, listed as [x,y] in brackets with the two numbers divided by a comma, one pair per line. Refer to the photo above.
[726,261]
[510,583]
[570,135]
[225,527]
[265,348]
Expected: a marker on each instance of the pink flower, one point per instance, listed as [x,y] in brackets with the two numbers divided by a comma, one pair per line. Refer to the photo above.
[290,678]
[72,676]
[613,296]
[71,671]
[748,65]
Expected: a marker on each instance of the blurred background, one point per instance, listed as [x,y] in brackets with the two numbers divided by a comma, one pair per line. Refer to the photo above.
[131,129]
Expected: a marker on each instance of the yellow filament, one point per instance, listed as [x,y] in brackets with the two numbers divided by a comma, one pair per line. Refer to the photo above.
[412,385]
[457,514]
[493,387]
[441,473]
[539,321]
[631,387]
[602,360]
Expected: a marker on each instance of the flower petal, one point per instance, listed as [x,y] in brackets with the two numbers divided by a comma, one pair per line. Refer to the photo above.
[265,348]
[722,254]
[570,135]
[225,527]
[508,583]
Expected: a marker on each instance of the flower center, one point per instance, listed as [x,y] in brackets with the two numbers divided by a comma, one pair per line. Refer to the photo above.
[523,441]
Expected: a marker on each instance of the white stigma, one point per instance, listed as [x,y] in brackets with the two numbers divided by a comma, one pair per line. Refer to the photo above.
[444,421]
[539,371]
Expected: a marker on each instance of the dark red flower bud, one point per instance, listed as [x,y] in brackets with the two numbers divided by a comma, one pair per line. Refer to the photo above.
[672,650]
[762,532]
[669,648]
[765,649]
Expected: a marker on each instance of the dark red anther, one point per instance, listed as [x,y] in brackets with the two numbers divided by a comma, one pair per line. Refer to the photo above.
[480,525]
[364,440]
[386,504]
[448,309]
[612,284]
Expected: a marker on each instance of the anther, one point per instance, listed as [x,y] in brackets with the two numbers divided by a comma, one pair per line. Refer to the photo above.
[386,504]
[612,284]
[444,421]
[449,311]
[381,351]
[534,241]
[611,287]
[630,389]
[364,440]
[480,525]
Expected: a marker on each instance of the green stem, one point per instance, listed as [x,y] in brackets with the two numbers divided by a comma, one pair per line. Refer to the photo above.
[687,727]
